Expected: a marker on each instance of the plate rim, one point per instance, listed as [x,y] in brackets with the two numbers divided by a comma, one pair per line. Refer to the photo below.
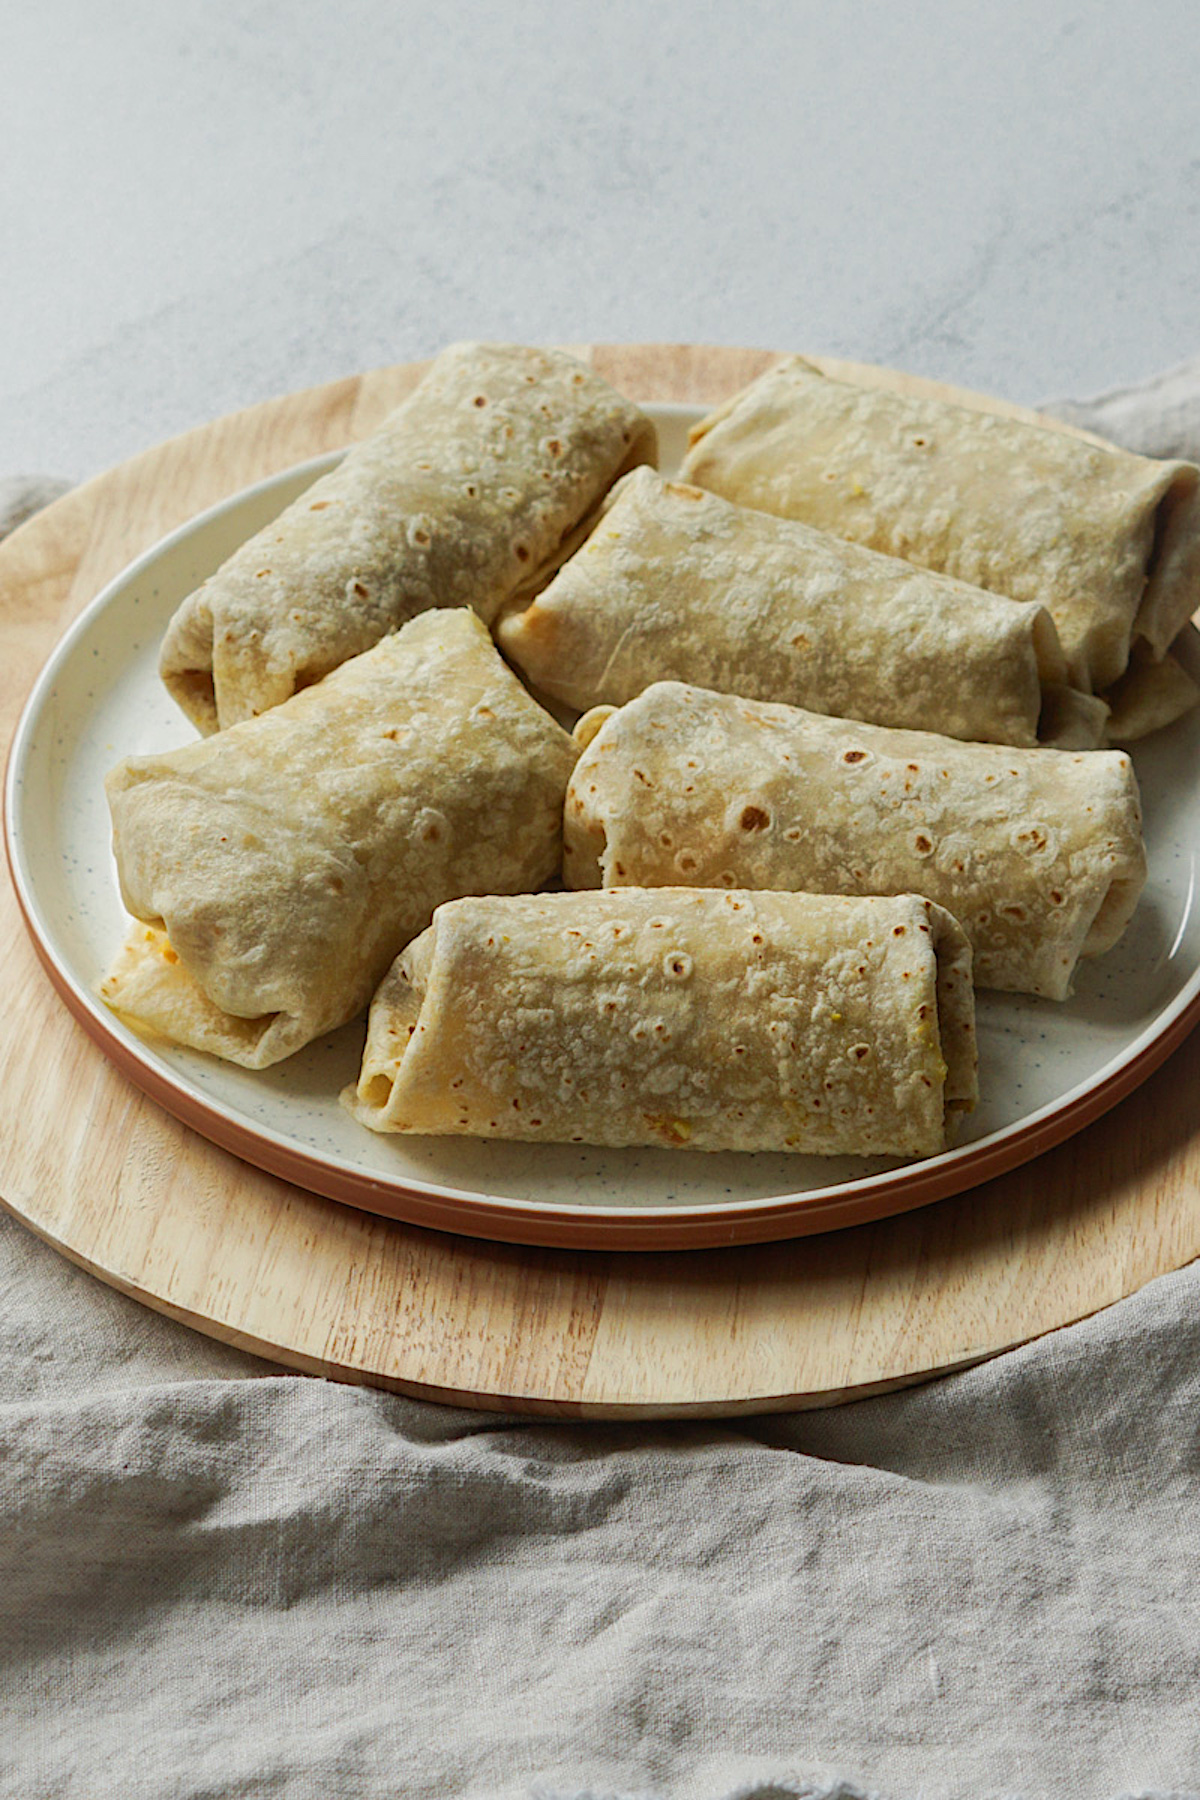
[522,1220]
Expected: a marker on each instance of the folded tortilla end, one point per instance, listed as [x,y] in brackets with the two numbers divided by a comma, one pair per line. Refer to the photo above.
[678,1018]
[149,990]
[1152,693]
[185,663]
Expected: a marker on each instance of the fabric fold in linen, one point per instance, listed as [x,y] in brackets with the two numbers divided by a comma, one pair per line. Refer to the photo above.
[21,496]
[244,1582]
[1158,417]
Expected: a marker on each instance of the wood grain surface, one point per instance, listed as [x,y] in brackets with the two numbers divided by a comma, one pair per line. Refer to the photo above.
[95,1168]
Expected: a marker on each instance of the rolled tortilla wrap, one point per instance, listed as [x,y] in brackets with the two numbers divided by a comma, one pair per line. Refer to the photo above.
[1107,541]
[677,584]
[1152,694]
[280,866]
[1038,853]
[692,1020]
[470,492]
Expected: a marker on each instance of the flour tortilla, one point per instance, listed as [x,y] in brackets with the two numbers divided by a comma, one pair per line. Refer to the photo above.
[468,494]
[1150,694]
[678,584]
[684,1019]
[1038,853]
[1108,541]
[279,867]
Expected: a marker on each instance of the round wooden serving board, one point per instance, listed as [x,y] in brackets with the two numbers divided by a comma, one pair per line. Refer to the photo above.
[97,1169]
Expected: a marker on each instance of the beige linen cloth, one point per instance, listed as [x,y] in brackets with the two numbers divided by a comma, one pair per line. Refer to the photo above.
[218,1580]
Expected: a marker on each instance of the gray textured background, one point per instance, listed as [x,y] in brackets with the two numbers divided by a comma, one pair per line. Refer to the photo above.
[206,205]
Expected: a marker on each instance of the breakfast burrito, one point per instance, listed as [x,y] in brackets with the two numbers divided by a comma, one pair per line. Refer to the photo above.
[1038,853]
[471,492]
[1107,541]
[678,584]
[703,1021]
[279,867]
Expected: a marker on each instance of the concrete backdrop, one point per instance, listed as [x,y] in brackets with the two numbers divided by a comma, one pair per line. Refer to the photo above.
[204,206]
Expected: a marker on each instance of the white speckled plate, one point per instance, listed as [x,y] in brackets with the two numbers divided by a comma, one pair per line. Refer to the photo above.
[1045,1069]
